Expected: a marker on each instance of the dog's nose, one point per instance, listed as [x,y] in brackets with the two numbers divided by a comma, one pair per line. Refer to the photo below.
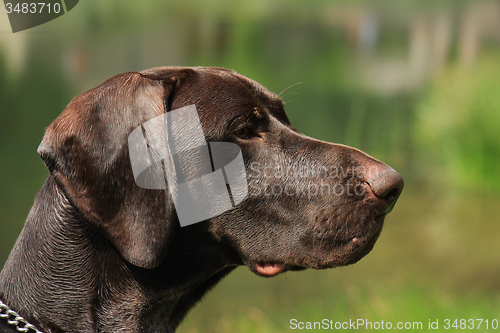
[387,184]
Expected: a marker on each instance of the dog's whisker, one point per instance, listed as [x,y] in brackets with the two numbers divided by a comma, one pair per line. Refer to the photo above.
[290,86]
[290,93]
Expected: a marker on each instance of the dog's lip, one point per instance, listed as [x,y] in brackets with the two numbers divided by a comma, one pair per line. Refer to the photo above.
[363,244]
[270,268]
[368,244]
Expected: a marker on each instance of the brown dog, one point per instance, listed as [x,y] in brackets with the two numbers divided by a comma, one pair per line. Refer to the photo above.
[99,253]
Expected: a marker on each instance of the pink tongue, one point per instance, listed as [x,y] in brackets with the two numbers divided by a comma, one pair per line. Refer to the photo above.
[269,268]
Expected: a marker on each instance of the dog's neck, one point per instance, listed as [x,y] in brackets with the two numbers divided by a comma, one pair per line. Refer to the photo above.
[62,275]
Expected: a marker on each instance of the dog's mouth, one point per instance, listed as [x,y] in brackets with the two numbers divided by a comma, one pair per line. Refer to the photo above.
[348,253]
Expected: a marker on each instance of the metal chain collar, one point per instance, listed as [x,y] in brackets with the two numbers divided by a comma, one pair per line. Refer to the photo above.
[16,320]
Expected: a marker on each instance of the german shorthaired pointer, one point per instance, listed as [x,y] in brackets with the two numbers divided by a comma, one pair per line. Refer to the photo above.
[98,253]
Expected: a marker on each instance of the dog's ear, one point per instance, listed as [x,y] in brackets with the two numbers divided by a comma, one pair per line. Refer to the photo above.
[86,151]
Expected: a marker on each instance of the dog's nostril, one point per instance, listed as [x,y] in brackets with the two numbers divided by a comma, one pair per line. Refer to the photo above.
[387,184]
[392,195]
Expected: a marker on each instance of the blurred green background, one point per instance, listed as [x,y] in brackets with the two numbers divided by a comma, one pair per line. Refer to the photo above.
[413,83]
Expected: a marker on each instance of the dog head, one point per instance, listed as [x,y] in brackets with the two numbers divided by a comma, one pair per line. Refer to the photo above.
[308,204]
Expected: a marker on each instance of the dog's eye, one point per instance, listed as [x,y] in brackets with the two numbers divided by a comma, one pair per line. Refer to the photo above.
[243,133]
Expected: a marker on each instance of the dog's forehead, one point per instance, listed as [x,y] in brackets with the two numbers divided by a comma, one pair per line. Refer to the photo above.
[245,93]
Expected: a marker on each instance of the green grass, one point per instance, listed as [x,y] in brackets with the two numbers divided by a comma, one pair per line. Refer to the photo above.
[270,309]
